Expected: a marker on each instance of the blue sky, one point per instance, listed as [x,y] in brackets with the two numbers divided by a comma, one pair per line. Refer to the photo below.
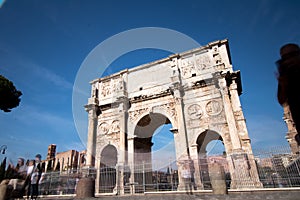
[43,44]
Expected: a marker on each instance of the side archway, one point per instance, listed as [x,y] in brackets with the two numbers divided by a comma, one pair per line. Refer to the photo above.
[108,162]
[204,143]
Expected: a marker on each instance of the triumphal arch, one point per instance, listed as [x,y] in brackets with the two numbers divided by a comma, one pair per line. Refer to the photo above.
[197,92]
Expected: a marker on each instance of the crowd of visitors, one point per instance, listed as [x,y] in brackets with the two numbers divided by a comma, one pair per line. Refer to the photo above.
[27,176]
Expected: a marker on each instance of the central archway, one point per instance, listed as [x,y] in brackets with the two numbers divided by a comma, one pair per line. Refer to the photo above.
[154,174]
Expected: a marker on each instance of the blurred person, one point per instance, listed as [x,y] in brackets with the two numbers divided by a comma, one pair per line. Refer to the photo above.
[21,168]
[30,170]
[288,82]
[34,182]
[38,169]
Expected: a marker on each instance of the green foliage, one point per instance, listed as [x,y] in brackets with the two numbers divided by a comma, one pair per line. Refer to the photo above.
[9,95]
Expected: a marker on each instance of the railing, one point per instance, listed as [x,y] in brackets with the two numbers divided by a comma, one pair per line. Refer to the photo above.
[275,169]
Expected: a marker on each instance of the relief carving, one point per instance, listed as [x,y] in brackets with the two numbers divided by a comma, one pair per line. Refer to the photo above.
[170,109]
[203,62]
[103,128]
[213,107]
[195,111]
[115,126]
[105,89]
[188,68]
[117,85]
[133,115]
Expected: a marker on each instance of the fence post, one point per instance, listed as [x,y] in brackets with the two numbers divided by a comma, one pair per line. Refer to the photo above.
[144,181]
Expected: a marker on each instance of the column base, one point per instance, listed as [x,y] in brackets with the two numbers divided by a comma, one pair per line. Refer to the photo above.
[242,175]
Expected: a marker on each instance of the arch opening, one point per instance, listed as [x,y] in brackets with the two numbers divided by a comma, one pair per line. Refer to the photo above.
[154,153]
[210,150]
[108,162]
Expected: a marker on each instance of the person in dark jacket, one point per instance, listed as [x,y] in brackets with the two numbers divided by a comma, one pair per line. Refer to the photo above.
[289,82]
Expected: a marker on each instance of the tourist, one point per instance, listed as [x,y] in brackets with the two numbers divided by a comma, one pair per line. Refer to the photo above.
[34,182]
[21,168]
[288,81]
[30,170]
[38,169]
[187,179]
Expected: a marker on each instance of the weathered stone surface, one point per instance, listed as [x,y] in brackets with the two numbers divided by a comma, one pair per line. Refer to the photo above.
[217,178]
[196,91]
[85,188]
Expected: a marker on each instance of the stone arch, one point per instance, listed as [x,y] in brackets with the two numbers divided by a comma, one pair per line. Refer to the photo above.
[200,159]
[108,162]
[206,137]
[143,132]
[109,155]
[167,110]
[142,145]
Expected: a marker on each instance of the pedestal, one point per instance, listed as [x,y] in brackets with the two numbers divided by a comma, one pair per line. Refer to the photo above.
[217,179]
[85,188]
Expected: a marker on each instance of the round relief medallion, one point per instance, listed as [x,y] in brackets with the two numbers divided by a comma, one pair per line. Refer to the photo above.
[195,111]
[115,126]
[103,128]
[213,107]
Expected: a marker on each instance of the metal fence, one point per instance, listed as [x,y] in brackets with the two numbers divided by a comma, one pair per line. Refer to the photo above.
[58,183]
[276,168]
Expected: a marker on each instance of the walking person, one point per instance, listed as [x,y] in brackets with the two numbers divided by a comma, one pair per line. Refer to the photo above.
[288,82]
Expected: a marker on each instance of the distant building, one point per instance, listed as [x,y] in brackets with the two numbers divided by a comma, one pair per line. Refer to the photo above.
[219,159]
[51,151]
[70,160]
[265,162]
[292,132]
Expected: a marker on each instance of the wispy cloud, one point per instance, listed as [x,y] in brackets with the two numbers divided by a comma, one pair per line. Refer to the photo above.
[79,146]
[32,115]
[266,130]
[46,74]
[23,69]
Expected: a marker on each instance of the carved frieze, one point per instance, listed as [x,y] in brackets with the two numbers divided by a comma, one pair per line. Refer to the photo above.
[170,109]
[134,115]
[105,89]
[187,68]
[117,85]
[203,62]
[110,87]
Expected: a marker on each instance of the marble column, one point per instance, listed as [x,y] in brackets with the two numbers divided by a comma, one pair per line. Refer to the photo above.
[235,140]
[181,140]
[92,132]
[243,133]
[197,177]
[131,162]
[237,110]
[122,147]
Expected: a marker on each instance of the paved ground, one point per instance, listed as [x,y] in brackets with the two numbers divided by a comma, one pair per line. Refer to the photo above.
[255,195]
